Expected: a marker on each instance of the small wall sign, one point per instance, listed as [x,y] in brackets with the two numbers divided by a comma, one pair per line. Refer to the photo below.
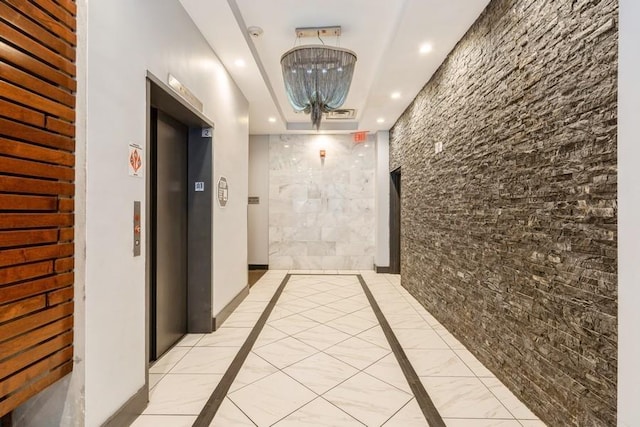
[135,160]
[223,191]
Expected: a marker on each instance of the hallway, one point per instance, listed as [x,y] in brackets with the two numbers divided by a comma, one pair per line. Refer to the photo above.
[322,358]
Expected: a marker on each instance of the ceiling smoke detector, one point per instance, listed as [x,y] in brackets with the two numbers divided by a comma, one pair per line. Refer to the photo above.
[254,31]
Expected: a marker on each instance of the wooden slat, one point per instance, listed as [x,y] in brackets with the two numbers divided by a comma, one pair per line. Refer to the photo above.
[34,354]
[35,101]
[69,5]
[61,126]
[34,30]
[66,235]
[34,371]
[64,264]
[26,237]
[66,205]
[34,186]
[22,272]
[58,297]
[20,308]
[25,150]
[20,113]
[37,85]
[35,336]
[12,221]
[34,48]
[27,392]
[45,20]
[32,134]
[28,327]
[58,12]
[35,169]
[30,64]
[35,287]
[35,253]
[10,202]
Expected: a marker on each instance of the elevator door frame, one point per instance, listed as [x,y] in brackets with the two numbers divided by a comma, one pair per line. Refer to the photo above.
[199,210]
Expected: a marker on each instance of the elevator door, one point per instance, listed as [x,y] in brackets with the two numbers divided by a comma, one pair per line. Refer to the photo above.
[169,284]
[395,214]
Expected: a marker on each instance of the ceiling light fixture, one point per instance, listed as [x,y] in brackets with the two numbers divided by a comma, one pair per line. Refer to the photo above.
[426,48]
[272,119]
[240,63]
[317,77]
[395,95]
[380,120]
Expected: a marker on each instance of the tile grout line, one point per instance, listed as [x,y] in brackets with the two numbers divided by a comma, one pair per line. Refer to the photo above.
[210,408]
[422,397]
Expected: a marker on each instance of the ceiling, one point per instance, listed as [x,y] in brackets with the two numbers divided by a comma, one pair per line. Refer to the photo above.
[386,35]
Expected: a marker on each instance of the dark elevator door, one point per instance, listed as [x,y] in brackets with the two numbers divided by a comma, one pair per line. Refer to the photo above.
[169,282]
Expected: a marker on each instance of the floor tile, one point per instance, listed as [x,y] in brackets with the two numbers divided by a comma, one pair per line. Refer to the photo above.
[241,320]
[225,337]
[268,335]
[189,340]
[409,416]
[442,363]
[420,338]
[154,379]
[508,399]
[321,337]
[351,324]
[376,336]
[532,423]
[285,352]
[206,360]
[230,415]
[181,394]
[271,398]
[322,314]
[456,397]
[450,339]
[253,369]
[478,422]
[369,400]
[319,413]
[168,360]
[320,372]
[164,421]
[357,352]
[474,364]
[293,324]
[388,370]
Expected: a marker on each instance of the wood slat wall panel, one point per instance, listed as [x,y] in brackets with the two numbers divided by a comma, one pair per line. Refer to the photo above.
[26,289]
[34,152]
[14,56]
[21,114]
[15,18]
[44,88]
[43,53]
[37,173]
[44,20]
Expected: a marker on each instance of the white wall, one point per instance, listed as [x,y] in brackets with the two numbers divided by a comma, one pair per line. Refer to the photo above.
[259,186]
[382,199]
[125,39]
[321,212]
[629,213]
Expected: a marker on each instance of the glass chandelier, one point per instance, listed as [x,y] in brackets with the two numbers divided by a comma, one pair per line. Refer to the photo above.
[317,78]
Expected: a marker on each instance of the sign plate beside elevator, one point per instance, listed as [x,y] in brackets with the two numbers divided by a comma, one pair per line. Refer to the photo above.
[223,191]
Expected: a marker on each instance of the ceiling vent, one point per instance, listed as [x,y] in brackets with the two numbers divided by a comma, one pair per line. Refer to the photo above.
[341,114]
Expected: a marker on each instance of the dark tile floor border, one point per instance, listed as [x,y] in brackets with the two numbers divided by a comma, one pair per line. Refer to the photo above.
[422,397]
[431,414]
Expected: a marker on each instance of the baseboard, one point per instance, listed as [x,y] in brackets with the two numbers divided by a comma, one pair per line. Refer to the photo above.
[229,308]
[131,410]
[382,269]
[258,266]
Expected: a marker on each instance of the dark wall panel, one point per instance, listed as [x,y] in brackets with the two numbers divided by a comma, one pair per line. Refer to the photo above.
[509,234]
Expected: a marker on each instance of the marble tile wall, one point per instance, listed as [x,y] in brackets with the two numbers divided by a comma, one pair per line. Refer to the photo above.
[321,212]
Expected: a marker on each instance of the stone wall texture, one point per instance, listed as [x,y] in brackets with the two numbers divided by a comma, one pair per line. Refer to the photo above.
[509,234]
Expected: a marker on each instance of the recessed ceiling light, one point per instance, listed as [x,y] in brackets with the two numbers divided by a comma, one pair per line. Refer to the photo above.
[272,119]
[380,120]
[426,48]
[395,95]
[240,63]
[286,145]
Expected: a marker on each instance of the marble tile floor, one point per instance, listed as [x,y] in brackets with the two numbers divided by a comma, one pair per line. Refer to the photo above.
[322,359]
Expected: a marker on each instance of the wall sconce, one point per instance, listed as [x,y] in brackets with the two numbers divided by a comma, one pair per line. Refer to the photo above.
[323,154]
